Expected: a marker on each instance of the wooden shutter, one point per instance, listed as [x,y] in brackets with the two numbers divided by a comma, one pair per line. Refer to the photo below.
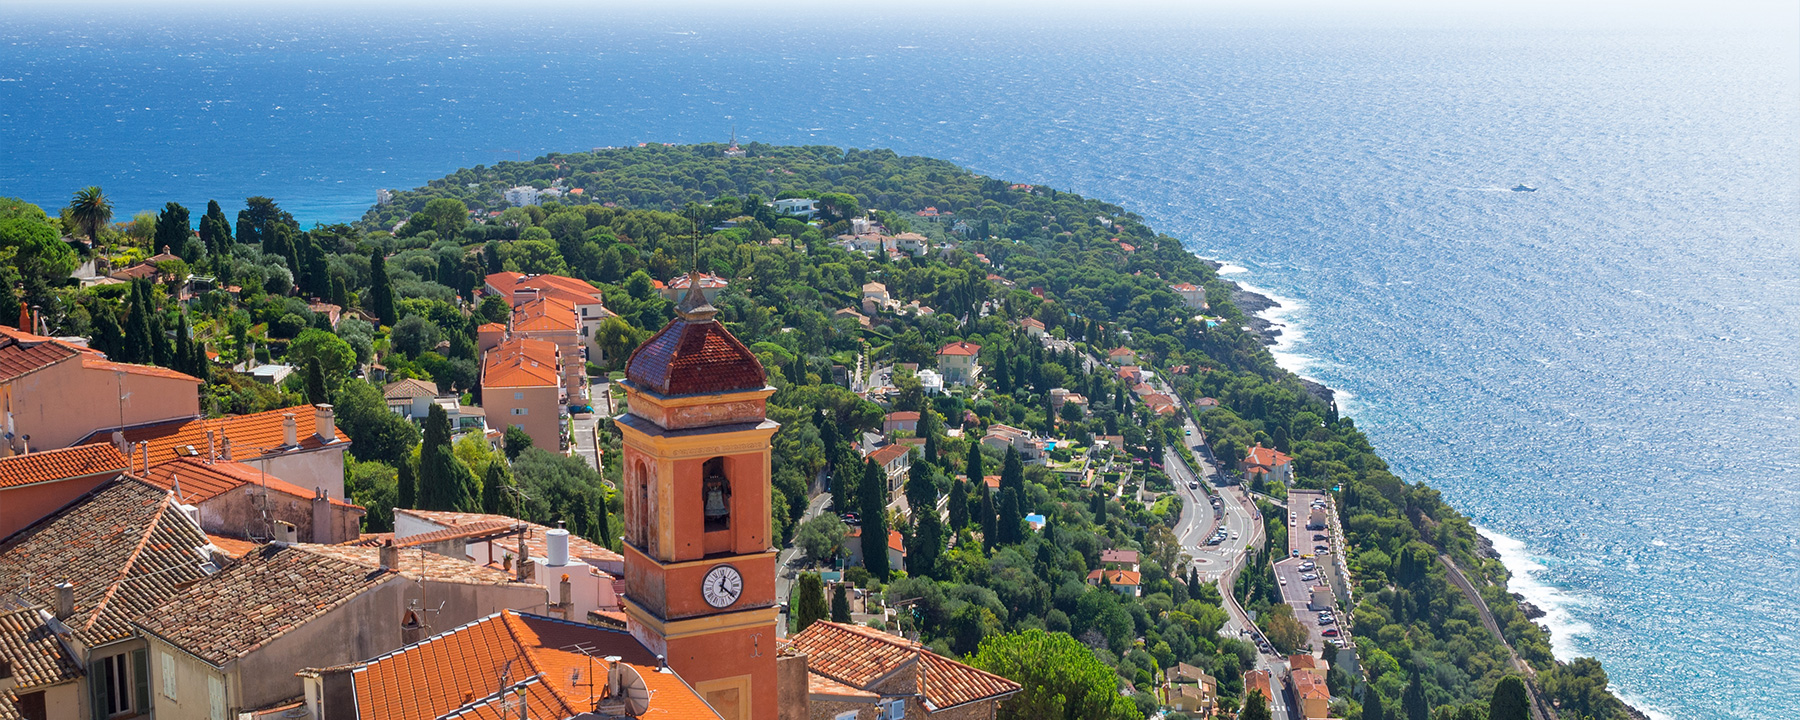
[215,691]
[140,676]
[97,686]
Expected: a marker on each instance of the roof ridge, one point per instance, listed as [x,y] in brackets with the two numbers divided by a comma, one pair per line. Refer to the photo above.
[426,641]
[130,562]
[511,619]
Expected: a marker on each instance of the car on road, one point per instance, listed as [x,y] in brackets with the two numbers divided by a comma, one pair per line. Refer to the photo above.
[1308,565]
[1309,577]
[1322,548]
[1326,621]
[1193,484]
[1234,536]
[1319,537]
[1283,580]
[852,518]
[1330,632]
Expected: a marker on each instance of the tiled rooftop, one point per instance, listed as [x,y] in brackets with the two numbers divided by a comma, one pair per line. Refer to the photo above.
[545,315]
[453,674]
[858,656]
[201,481]
[960,348]
[78,461]
[1265,457]
[520,363]
[535,542]
[408,389]
[37,657]
[22,353]
[251,435]
[124,547]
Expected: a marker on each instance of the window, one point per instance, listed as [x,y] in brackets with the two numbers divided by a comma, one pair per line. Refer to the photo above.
[845,715]
[518,396]
[119,683]
[521,411]
[894,709]
[168,675]
[215,695]
[715,492]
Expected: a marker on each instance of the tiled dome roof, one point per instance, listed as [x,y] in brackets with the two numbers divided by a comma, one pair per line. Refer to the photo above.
[694,354]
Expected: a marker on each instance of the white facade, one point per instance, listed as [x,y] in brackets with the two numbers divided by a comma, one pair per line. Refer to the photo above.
[806,207]
[521,196]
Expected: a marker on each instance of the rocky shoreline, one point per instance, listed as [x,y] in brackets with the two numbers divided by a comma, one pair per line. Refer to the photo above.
[1253,304]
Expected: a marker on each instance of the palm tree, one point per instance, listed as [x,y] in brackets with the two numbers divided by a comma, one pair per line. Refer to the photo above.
[91,209]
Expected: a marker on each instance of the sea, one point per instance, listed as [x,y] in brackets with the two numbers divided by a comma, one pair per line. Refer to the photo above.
[1603,372]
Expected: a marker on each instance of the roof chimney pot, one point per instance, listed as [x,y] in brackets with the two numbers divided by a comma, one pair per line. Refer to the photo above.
[390,556]
[323,426]
[65,600]
[290,432]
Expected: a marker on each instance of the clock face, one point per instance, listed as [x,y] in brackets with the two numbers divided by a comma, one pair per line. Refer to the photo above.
[722,586]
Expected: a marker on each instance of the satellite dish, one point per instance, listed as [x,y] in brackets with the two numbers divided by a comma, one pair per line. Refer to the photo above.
[626,694]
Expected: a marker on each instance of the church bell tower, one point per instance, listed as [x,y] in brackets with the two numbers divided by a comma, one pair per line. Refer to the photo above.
[699,565]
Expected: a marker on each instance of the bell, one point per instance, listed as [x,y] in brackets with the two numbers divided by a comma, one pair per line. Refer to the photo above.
[715,503]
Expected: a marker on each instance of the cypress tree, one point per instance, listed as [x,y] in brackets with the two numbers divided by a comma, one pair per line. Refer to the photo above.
[1413,701]
[1510,700]
[381,291]
[315,382]
[407,489]
[1010,516]
[602,521]
[959,505]
[1002,378]
[873,495]
[972,466]
[1372,708]
[498,494]
[989,523]
[108,337]
[340,294]
[809,607]
[840,604]
[1098,505]
[137,332]
[931,448]
[445,482]
[921,490]
[163,349]
[1012,473]
[173,231]
[927,544]
[215,230]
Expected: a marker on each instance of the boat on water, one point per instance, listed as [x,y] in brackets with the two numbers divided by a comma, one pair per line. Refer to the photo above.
[1521,187]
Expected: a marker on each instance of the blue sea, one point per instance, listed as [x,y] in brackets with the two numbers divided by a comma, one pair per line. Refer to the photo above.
[1604,373]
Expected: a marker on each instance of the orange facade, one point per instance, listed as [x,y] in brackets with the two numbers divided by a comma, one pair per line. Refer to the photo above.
[699,566]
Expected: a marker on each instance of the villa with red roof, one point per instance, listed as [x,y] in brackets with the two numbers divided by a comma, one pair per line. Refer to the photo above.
[861,672]
[957,362]
[1193,295]
[301,445]
[37,484]
[586,309]
[1122,356]
[58,392]
[1273,464]
[522,383]
[1123,582]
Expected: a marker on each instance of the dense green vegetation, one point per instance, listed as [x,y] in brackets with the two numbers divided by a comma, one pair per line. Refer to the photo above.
[978,581]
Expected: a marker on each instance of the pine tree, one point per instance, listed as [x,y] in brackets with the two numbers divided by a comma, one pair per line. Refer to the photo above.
[1510,701]
[381,291]
[959,505]
[840,604]
[972,466]
[1012,473]
[1010,516]
[173,231]
[407,490]
[809,607]
[315,382]
[1256,706]
[873,495]
[989,523]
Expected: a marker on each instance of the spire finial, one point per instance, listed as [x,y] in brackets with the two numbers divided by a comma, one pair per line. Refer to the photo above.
[694,307]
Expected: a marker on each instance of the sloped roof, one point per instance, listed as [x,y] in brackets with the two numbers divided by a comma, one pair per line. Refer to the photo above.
[1121,351]
[902,416]
[429,679]
[271,591]
[960,348]
[38,658]
[408,389]
[1116,577]
[1119,556]
[520,362]
[1032,322]
[22,353]
[201,481]
[93,361]
[52,465]
[1265,457]
[535,541]
[124,547]
[695,354]
[247,433]
[547,314]
[556,286]
[888,453]
[858,656]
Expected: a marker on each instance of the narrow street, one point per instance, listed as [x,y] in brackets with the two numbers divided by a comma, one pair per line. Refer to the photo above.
[790,559]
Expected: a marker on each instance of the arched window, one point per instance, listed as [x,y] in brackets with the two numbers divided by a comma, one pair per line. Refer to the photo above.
[639,524]
[715,492]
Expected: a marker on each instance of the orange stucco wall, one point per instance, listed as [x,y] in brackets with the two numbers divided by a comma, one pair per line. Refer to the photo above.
[701,658]
[61,404]
[24,505]
[542,420]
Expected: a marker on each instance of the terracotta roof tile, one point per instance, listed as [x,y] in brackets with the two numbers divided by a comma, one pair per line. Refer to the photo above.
[249,434]
[535,542]
[858,656]
[960,348]
[545,315]
[888,453]
[1117,577]
[122,545]
[232,546]
[201,481]
[557,286]
[1263,457]
[408,389]
[1118,556]
[51,465]
[273,590]
[690,357]
[470,530]
[22,353]
[903,416]
[817,684]
[38,657]
[520,363]
[96,362]
[430,679]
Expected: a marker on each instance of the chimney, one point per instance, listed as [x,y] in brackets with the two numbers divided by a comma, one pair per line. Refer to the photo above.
[565,596]
[212,447]
[65,600]
[557,546]
[226,453]
[321,517]
[524,555]
[323,427]
[290,432]
[146,446]
[285,532]
[527,570]
[118,440]
[390,556]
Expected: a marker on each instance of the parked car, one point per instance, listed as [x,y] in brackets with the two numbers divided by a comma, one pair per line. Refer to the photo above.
[1309,577]
[1330,632]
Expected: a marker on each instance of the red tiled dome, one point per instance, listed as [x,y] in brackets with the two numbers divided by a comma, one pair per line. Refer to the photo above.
[694,354]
